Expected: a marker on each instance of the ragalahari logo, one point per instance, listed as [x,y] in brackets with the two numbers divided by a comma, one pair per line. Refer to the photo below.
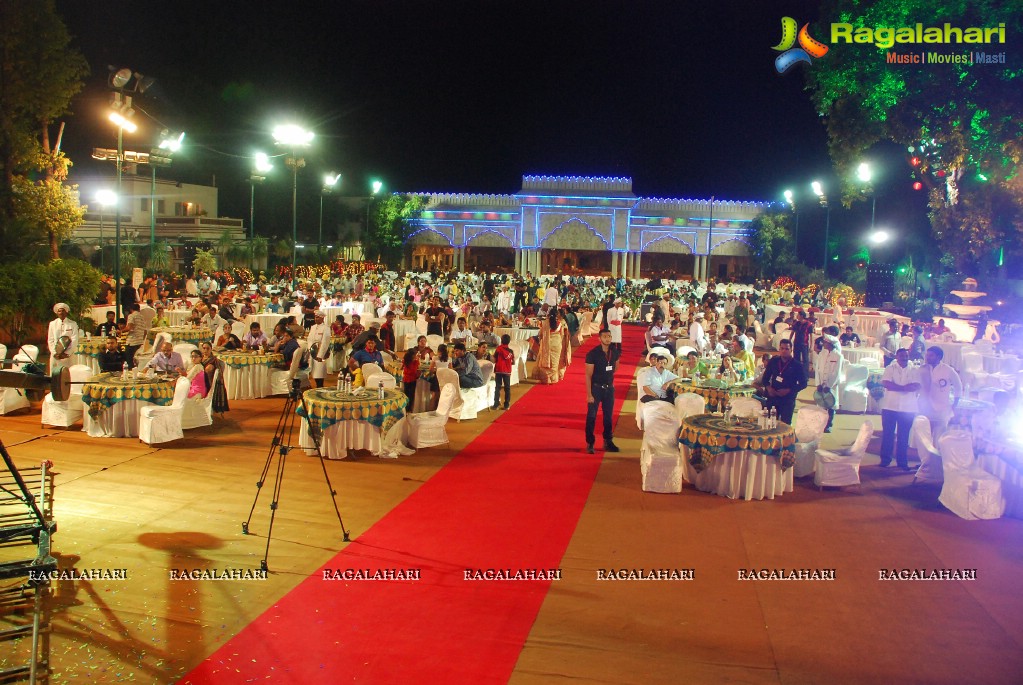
[808,47]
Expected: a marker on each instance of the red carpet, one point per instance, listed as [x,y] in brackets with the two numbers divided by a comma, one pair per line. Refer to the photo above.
[510,500]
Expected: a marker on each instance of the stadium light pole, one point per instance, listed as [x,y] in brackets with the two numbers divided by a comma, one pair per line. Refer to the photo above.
[293,137]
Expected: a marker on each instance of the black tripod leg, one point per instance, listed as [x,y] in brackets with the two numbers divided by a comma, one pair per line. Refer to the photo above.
[279,433]
[316,434]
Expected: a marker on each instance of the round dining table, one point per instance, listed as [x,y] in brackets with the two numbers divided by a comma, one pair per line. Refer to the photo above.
[714,392]
[247,374]
[349,421]
[737,458]
[88,350]
[113,403]
[183,334]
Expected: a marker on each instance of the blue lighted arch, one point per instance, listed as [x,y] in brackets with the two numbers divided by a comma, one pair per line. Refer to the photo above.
[567,222]
[511,242]
[667,237]
[430,228]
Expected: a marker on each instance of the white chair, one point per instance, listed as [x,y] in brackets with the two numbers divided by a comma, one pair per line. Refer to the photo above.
[973,373]
[280,379]
[376,380]
[683,350]
[969,491]
[142,358]
[689,404]
[3,356]
[185,350]
[521,350]
[198,411]
[28,354]
[906,342]
[371,369]
[810,424]
[429,429]
[148,315]
[660,460]
[984,346]
[434,341]
[163,424]
[921,439]
[68,413]
[838,469]
[450,377]
[421,325]
[746,406]
[870,362]
[852,392]
[13,399]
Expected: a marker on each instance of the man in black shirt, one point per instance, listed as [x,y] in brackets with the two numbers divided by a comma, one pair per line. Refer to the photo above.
[111,359]
[783,378]
[309,307]
[601,363]
[107,328]
[435,318]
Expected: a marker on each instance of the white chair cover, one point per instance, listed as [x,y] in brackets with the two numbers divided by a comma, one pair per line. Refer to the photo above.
[683,350]
[28,354]
[421,324]
[450,377]
[660,461]
[185,350]
[198,411]
[378,379]
[142,358]
[3,356]
[969,492]
[852,393]
[521,349]
[689,404]
[280,380]
[370,369]
[163,424]
[810,424]
[972,371]
[67,413]
[429,429]
[434,341]
[746,406]
[838,469]
[920,438]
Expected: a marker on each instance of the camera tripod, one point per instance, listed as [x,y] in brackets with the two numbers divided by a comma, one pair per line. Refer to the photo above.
[281,445]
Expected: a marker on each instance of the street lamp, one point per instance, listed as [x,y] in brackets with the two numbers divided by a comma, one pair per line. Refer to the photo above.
[260,169]
[293,137]
[790,198]
[864,173]
[375,186]
[330,181]
[105,198]
[160,156]
[818,190]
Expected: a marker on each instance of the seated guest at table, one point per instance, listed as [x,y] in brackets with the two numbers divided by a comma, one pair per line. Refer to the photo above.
[483,352]
[660,336]
[469,373]
[338,328]
[196,319]
[212,319]
[461,332]
[255,338]
[210,365]
[654,383]
[160,320]
[898,408]
[275,337]
[773,326]
[355,328]
[246,309]
[228,340]
[747,338]
[738,360]
[287,345]
[411,312]
[368,354]
[354,373]
[274,306]
[372,333]
[108,327]
[758,373]
[486,336]
[111,359]
[918,348]
[167,360]
[297,331]
[442,360]
[195,374]
[387,332]
[849,339]
[938,381]
[782,381]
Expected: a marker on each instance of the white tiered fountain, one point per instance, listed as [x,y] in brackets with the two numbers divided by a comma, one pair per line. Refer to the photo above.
[967,311]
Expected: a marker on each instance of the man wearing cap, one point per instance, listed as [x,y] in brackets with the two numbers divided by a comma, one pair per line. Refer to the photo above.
[828,373]
[615,316]
[319,348]
[61,337]
[697,336]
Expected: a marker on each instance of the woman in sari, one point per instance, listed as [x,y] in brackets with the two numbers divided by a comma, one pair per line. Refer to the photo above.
[555,349]
[210,365]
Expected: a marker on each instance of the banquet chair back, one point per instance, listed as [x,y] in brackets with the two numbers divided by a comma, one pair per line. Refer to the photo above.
[142,358]
[810,424]
[746,406]
[660,461]
[378,379]
[280,380]
[163,424]
[198,412]
[838,469]
[185,350]
[984,346]
[683,350]
[3,356]
[450,377]
[870,362]
[148,315]
[371,369]
[520,349]
[434,341]
[421,325]
[487,371]
[921,439]
[906,342]
[852,393]
[973,372]
[69,412]
[28,354]
[689,404]
[969,491]
[429,429]
[411,340]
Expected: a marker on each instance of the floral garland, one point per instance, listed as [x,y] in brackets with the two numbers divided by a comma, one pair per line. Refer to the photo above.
[846,292]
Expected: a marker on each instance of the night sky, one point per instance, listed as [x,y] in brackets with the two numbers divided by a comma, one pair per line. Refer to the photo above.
[469,96]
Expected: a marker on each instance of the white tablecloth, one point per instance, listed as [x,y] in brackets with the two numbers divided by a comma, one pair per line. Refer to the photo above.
[1012,482]
[746,474]
[266,323]
[855,355]
[1000,364]
[120,420]
[247,382]
[178,317]
[516,333]
[341,437]
[403,327]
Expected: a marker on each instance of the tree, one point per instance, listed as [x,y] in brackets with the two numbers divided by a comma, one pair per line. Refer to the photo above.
[159,260]
[960,122]
[771,241]
[40,76]
[393,220]
[204,260]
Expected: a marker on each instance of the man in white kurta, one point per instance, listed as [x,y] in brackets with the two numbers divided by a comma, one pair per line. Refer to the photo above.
[697,336]
[61,327]
[939,383]
[898,408]
[828,374]
[504,300]
[318,336]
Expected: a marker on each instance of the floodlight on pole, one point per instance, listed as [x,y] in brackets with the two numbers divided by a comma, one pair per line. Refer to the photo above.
[104,198]
[330,181]
[879,237]
[818,190]
[863,172]
[293,136]
[791,199]
[376,186]
[260,168]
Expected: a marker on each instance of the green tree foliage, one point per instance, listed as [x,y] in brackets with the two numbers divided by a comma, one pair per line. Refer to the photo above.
[28,292]
[393,219]
[770,240]
[205,260]
[159,260]
[39,75]
[987,218]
